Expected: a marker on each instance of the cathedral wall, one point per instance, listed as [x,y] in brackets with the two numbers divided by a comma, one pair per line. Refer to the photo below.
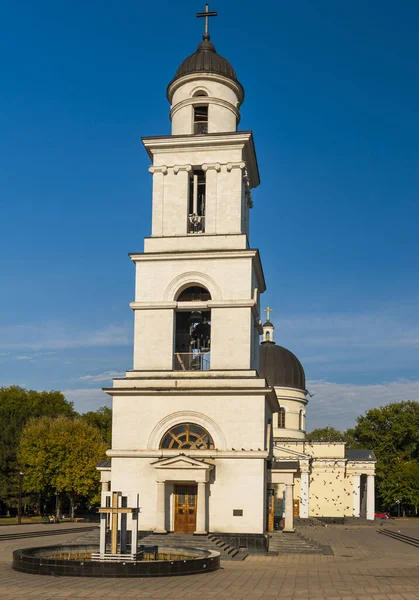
[239,484]
[151,327]
[231,275]
[239,419]
[327,489]
[231,338]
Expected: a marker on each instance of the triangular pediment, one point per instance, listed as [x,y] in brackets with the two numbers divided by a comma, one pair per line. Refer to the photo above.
[180,461]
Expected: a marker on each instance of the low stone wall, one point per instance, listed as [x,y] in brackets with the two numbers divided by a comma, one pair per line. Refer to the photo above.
[39,561]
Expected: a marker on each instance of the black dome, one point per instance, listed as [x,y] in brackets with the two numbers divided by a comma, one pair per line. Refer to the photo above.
[206,59]
[281,367]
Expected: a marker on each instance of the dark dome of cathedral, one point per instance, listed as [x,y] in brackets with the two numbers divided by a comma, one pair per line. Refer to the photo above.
[281,367]
[206,60]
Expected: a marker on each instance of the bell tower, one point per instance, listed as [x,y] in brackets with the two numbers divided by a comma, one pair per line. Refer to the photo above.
[197,314]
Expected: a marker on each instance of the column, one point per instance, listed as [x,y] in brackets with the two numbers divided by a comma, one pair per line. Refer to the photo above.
[158,197]
[370,497]
[104,503]
[160,508]
[201,509]
[356,495]
[304,495]
[134,524]
[289,508]
[211,171]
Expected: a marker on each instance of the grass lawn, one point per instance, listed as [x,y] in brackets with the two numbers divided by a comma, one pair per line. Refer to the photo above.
[13,520]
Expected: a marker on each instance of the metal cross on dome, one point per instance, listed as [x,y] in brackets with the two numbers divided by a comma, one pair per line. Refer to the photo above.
[206,14]
[268,311]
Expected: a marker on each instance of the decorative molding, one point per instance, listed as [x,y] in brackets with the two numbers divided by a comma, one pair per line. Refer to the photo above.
[197,100]
[208,166]
[186,416]
[162,169]
[202,76]
[184,280]
[235,165]
[177,168]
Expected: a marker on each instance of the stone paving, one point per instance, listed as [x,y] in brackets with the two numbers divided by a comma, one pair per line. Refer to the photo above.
[365,566]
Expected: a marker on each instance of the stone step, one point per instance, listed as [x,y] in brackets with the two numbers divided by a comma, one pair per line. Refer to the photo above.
[293,543]
[209,541]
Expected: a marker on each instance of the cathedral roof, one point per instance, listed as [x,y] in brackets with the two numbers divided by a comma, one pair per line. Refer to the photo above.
[281,367]
[206,60]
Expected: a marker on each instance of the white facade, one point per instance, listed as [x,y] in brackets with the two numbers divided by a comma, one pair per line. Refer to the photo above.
[204,248]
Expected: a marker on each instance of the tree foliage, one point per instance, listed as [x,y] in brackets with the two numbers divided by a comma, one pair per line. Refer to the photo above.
[401,483]
[325,434]
[392,432]
[102,420]
[60,454]
[17,407]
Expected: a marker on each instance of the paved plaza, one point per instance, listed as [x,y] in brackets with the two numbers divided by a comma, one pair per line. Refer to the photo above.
[365,566]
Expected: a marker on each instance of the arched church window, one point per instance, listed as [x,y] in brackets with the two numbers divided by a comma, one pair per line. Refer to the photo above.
[187,436]
[192,331]
[300,420]
[281,418]
[194,293]
[197,193]
[200,93]
[200,118]
[268,335]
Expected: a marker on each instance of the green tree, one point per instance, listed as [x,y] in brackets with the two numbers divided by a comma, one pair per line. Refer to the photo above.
[325,434]
[401,483]
[392,432]
[102,420]
[60,454]
[17,406]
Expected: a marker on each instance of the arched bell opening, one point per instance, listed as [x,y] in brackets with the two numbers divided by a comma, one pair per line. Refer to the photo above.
[193,330]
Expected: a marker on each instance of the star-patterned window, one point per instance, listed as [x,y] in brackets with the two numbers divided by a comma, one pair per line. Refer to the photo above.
[187,436]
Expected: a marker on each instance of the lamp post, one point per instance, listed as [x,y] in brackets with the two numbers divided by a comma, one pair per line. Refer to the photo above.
[398,508]
[19,500]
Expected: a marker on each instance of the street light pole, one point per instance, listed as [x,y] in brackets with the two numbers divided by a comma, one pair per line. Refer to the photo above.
[19,500]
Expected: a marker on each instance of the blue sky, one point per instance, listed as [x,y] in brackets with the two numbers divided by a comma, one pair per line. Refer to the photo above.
[332,97]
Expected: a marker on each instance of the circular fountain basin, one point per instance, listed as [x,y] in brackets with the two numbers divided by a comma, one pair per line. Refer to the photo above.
[75,561]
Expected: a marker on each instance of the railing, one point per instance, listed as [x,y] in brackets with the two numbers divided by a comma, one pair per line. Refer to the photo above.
[200,127]
[192,361]
[196,224]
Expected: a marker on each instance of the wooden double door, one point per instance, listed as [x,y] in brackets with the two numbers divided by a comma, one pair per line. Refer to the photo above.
[185,508]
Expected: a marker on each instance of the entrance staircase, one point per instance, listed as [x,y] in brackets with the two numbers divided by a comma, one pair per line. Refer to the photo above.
[207,542]
[295,543]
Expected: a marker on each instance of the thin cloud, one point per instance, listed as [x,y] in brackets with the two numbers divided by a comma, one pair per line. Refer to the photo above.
[101,377]
[339,404]
[86,400]
[59,336]
[380,329]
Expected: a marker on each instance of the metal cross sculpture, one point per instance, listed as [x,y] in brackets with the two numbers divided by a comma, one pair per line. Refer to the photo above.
[206,14]
[268,311]
[114,510]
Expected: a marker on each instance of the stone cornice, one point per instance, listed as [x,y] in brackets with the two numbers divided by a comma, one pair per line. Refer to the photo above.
[214,141]
[193,305]
[186,391]
[202,454]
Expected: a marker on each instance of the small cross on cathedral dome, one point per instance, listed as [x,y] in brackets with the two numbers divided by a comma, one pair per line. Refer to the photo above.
[268,327]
